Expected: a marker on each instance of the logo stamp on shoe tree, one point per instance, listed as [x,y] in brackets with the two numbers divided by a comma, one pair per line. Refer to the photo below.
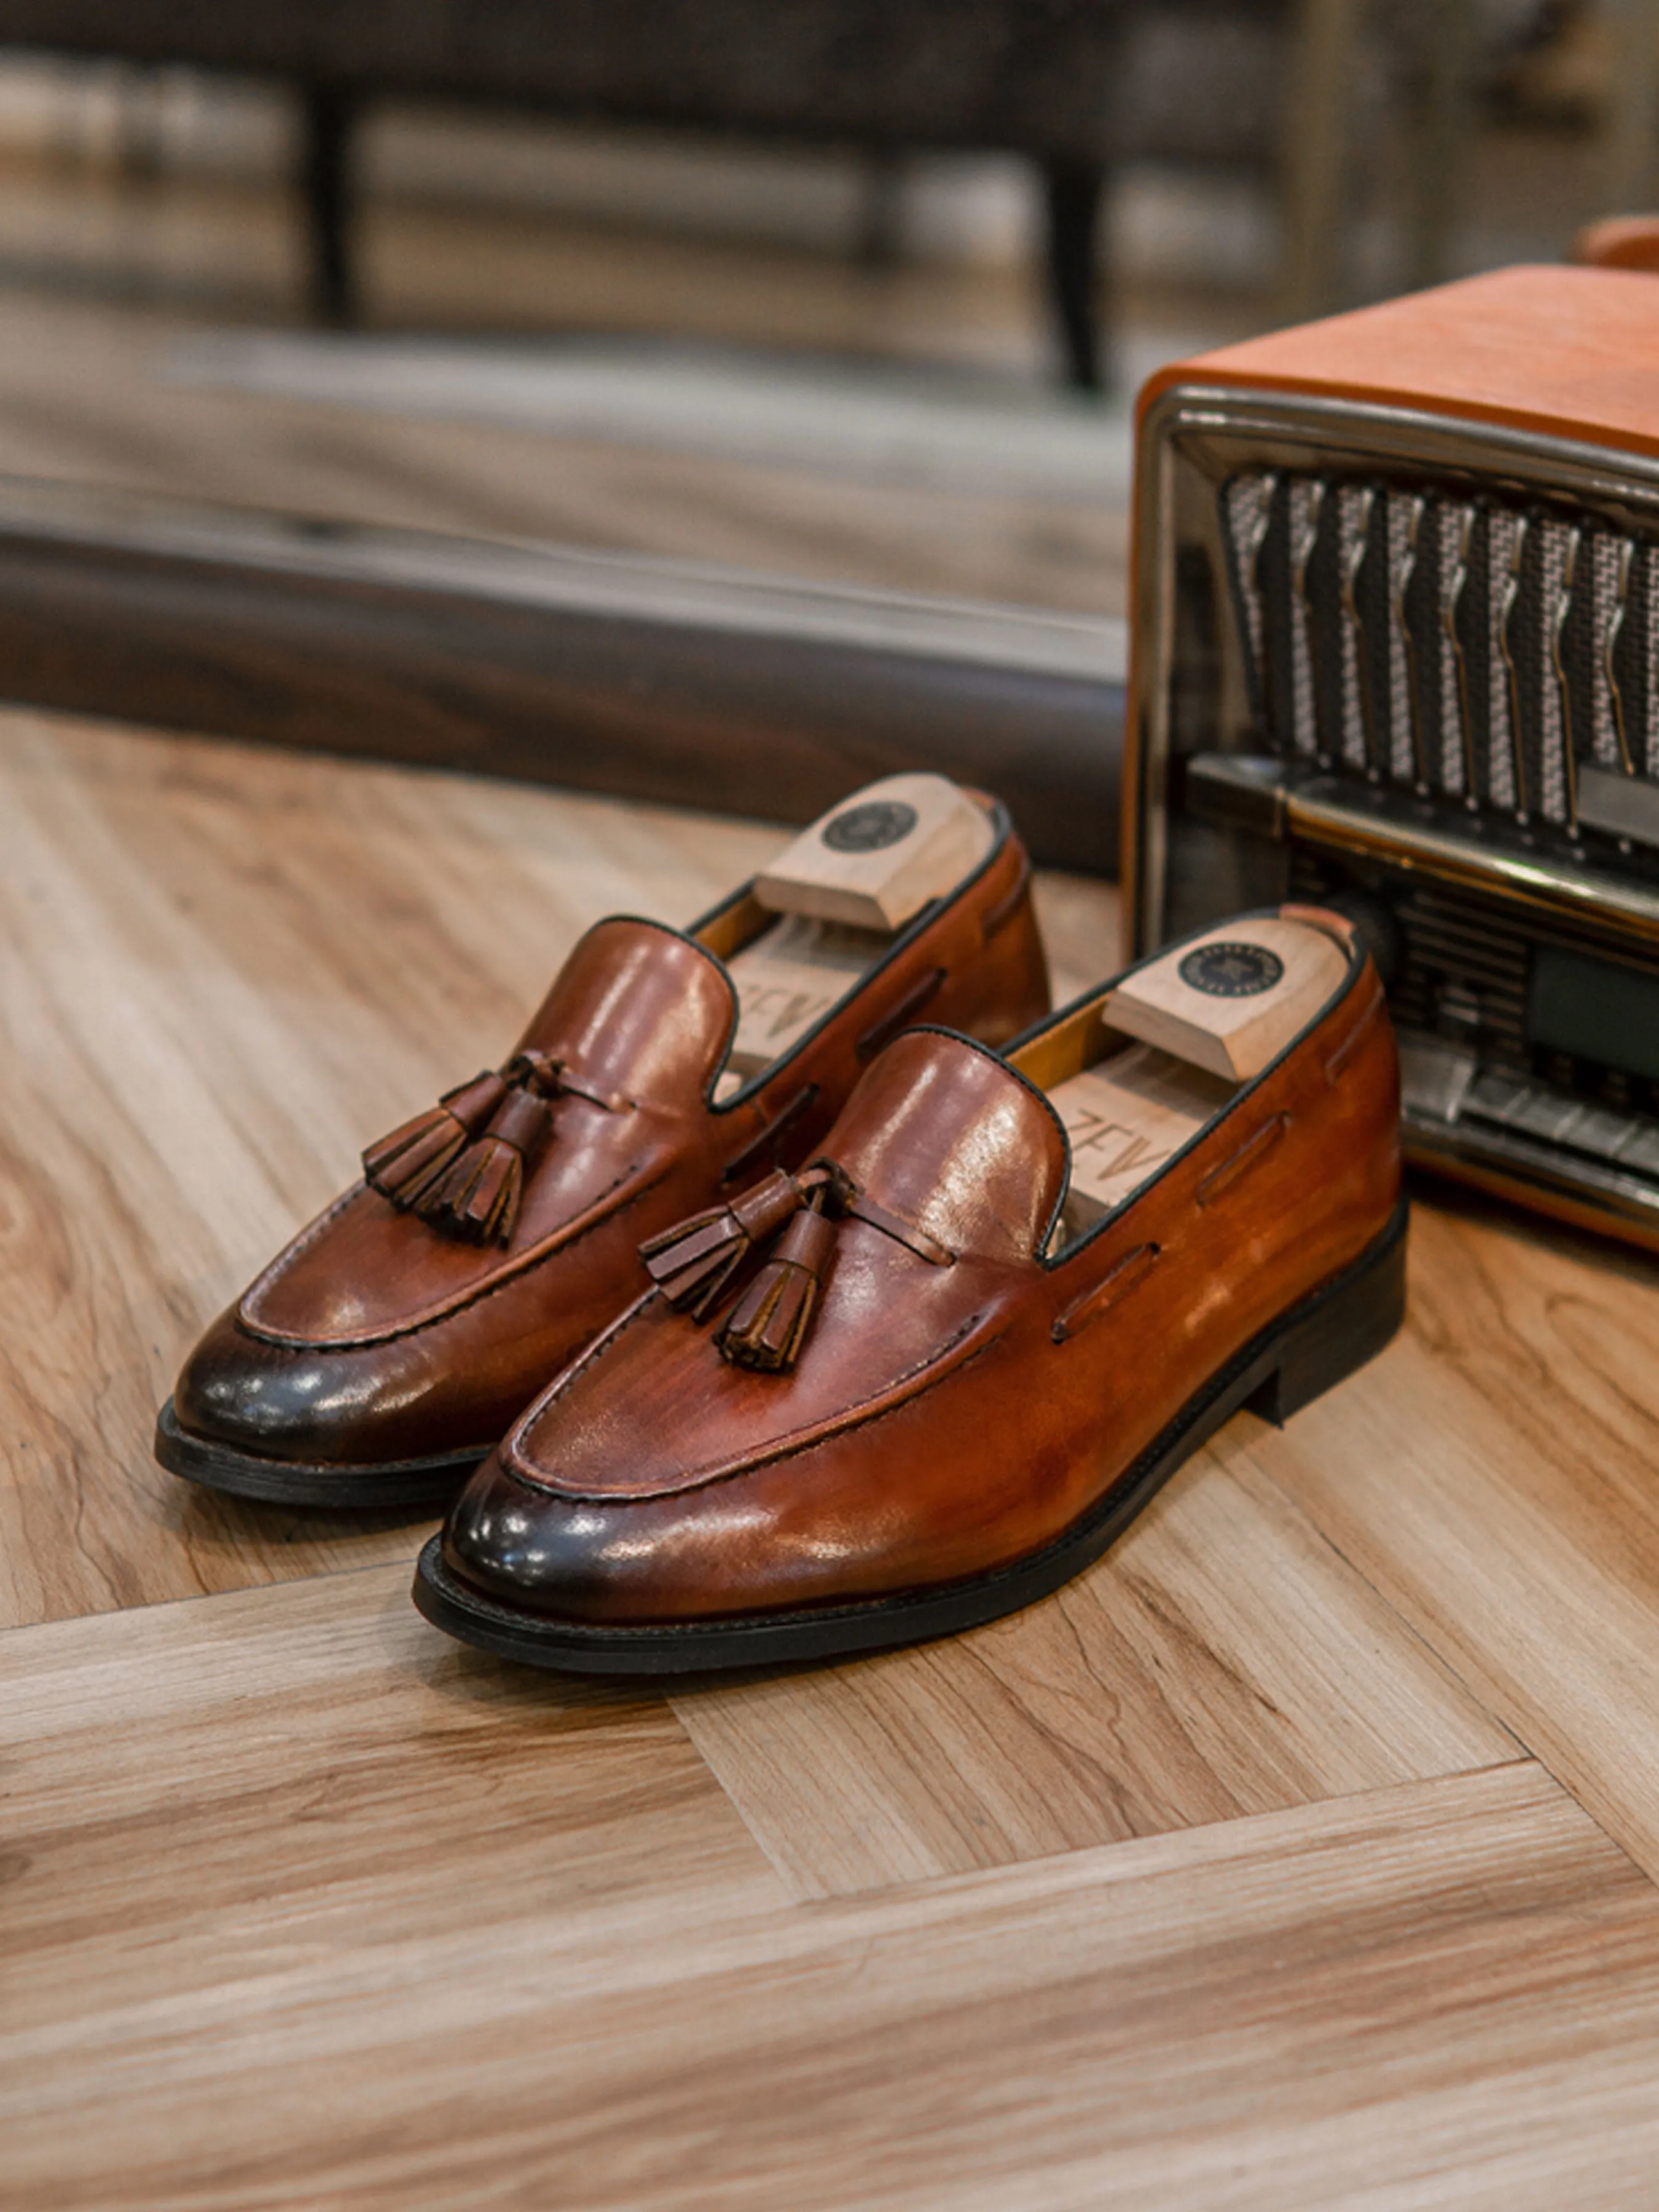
[875,860]
[869,828]
[1231,970]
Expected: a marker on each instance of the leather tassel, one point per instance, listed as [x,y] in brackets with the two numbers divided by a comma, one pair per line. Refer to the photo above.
[768,1326]
[479,1197]
[692,1262]
[406,1165]
[478,1200]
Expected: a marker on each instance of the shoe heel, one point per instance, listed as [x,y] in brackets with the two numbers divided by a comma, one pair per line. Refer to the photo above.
[1351,1320]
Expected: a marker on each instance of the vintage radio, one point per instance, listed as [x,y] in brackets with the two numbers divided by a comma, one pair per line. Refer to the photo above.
[1396,648]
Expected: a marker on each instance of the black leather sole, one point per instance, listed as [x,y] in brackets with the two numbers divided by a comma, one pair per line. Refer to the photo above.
[1306,1351]
[417,1486]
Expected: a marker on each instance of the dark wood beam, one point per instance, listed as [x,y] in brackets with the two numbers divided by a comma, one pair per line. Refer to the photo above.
[650,680]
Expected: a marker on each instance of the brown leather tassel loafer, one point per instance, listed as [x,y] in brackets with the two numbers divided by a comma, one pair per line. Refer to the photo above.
[380,1356]
[928,1379]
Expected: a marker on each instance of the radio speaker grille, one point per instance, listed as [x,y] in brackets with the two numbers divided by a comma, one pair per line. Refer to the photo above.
[1499,657]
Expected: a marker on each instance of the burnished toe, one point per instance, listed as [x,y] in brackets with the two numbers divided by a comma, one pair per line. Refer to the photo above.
[280,1401]
[306,1425]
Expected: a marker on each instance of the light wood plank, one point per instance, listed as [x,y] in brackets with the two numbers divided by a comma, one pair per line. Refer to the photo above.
[222,970]
[406,1941]
[1493,1476]
[240,1788]
[1221,1661]
[1082,929]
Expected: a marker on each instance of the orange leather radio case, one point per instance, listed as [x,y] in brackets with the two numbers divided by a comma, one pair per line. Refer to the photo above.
[1396,648]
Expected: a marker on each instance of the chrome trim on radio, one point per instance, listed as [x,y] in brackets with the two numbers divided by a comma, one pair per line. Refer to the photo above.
[1263,793]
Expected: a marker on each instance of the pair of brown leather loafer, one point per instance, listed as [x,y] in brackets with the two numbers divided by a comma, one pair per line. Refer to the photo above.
[385,1352]
[906,1343]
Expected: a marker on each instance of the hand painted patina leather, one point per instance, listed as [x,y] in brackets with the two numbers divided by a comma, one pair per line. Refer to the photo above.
[972,1397]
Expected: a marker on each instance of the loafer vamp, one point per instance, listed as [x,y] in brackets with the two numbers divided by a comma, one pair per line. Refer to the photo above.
[363,1273]
[652,1408]
[372,1337]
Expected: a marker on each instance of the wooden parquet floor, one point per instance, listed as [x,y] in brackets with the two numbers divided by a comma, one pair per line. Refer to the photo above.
[1300,1854]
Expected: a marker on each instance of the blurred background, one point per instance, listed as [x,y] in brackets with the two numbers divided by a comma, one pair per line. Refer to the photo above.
[831,291]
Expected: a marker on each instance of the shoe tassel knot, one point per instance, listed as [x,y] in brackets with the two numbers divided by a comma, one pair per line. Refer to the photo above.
[692,1263]
[462,1165]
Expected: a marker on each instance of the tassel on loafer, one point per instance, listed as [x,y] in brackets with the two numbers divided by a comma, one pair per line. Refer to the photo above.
[930,1378]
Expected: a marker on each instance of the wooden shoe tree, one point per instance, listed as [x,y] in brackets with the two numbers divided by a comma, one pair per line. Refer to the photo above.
[1138,1070]
[830,905]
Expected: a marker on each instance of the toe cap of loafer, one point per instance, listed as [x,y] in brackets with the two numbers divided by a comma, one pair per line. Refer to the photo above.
[296,1402]
[528,1549]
